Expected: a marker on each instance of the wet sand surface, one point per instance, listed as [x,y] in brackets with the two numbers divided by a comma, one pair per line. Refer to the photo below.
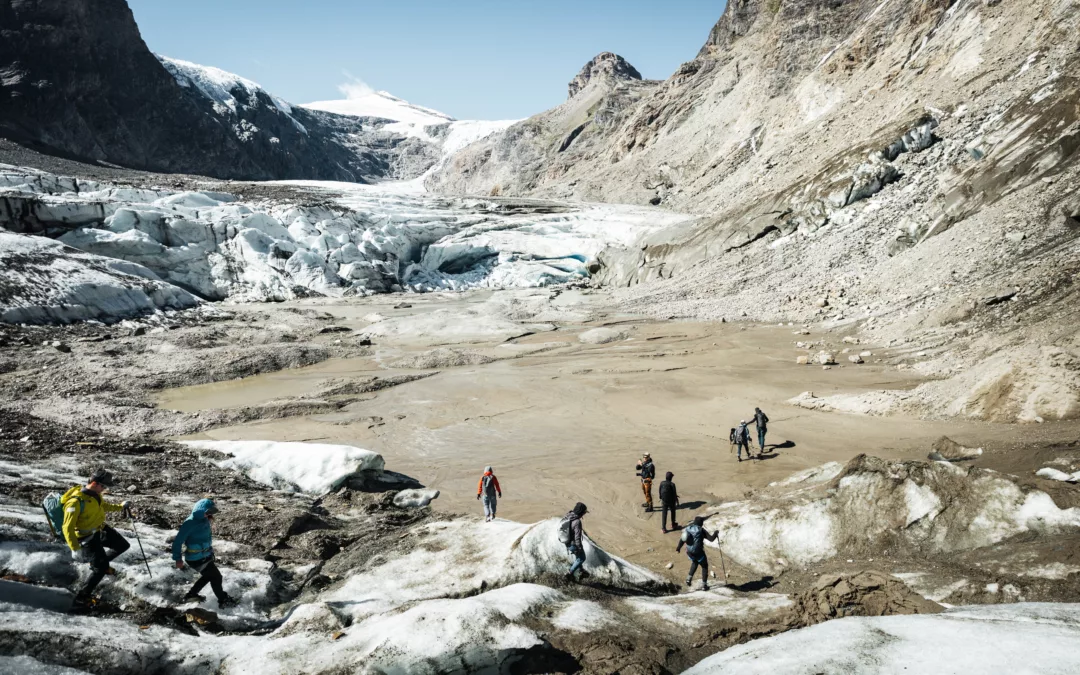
[563,421]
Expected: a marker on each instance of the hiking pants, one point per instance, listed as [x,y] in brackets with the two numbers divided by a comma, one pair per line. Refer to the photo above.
[99,560]
[663,516]
[761,437]
[744,444]
[578,554]
[646,487]
[208,574]
[703,560]
[489,505]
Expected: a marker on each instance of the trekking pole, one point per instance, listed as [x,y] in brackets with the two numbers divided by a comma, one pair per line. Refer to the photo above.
[722,565]
[145,562]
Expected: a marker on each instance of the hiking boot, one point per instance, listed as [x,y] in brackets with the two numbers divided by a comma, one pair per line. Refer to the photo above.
[664,530]
[689,582]
[227,601]
[111,571]
[584,574]
[704,587]
[740,459]
[194,597]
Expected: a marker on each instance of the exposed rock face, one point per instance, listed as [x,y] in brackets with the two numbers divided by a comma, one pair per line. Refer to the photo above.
[894,158]
[605,65]
[77,79]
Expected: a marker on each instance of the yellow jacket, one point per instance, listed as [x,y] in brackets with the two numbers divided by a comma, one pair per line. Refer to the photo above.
[84,514]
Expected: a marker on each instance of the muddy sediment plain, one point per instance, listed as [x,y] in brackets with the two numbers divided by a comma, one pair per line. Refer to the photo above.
[563,420]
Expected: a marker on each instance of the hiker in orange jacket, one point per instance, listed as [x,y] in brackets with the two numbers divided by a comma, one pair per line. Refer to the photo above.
[486,491]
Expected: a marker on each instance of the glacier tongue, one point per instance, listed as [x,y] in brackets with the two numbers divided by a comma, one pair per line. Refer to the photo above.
[318,237]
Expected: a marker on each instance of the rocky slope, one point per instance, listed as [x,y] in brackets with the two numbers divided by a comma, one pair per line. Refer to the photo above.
[76,79]
[904,168]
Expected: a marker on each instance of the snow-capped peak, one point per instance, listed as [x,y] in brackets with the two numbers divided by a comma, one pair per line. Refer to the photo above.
[366,102]
[221,86]
[216,83]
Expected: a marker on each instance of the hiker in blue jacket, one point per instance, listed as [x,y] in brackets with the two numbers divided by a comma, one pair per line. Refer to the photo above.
[195,541]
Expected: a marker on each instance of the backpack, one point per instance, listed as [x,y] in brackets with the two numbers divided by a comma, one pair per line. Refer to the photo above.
[489,488]
[694,538]
[565,536]
[54,513]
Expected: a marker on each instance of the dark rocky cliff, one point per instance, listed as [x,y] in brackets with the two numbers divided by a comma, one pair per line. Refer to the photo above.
[76,79]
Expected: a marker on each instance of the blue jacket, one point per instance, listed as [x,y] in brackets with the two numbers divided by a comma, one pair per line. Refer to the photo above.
[194,537]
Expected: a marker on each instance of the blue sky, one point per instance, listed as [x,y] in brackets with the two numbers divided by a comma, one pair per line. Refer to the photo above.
[472,59]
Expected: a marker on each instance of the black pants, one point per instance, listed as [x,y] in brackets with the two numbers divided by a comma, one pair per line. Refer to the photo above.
[99,559]
[663,517]
[208,574]
[704,562]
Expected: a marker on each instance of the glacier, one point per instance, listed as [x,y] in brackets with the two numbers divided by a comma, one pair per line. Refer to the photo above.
[302,239]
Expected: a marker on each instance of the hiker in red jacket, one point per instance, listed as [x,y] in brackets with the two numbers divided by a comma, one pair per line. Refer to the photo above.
[486,490]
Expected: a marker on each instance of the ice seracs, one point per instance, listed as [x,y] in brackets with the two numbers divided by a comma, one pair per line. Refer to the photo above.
[346,239]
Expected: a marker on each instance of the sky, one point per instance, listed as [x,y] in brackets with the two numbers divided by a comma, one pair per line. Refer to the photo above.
[471,59]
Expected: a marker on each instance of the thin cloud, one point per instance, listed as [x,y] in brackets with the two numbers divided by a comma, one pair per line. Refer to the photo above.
[355,87]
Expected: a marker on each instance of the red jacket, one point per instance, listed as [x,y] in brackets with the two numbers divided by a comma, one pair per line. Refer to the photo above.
[494,481]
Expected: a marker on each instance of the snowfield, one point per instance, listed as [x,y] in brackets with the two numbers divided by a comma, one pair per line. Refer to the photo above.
[1029,638]
[356,240]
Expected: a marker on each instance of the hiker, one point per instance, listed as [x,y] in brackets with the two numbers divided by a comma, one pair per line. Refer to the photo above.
[195,540]
[694,537]
[669,499]
[86,533]
[647,471]
[486,491]
[761,420]
[742,439]
[570,534]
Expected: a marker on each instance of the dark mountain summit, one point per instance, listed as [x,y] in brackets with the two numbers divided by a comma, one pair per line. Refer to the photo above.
[76,79]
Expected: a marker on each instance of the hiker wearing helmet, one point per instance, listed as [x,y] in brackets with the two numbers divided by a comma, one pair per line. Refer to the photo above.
[761,421]
[647,471]
[694,537]
[194,540]
[487,491]
[669,500]
[86,533]
[742,439]
[570,534]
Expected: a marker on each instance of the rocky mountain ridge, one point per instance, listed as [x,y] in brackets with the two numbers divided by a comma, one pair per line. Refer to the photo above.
[76,79]
[892,168]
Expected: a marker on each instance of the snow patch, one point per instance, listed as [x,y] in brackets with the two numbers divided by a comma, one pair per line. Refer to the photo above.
[313,468]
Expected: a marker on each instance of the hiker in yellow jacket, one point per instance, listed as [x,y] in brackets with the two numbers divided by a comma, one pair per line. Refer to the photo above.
[86,533]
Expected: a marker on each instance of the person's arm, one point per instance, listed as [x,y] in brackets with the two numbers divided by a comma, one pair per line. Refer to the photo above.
[711,537]
[578,531]
[110,507]
[675,493]
[497,488]
[72,510]
[181,537]
[480,487]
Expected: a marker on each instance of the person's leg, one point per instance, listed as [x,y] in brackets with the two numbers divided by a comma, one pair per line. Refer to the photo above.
[99,566]
[674,525]
[693,569]
[704,574]
[647,487]
[487,507]
[761,439]
[112,539]
[494,504]
[663,517]
[579,559]
[212,574]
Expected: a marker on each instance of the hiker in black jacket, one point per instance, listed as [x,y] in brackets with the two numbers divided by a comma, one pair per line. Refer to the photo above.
[669,499]
[694,537]
[761,420]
